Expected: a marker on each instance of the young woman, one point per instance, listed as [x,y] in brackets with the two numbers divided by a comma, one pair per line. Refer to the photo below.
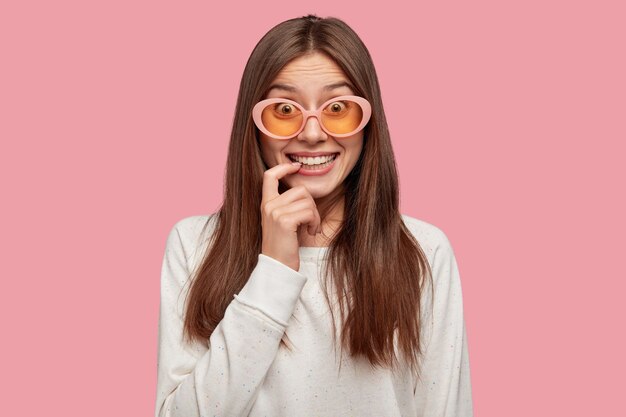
[308,293]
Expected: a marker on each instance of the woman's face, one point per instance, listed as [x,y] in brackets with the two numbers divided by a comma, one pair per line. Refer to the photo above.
[304,80]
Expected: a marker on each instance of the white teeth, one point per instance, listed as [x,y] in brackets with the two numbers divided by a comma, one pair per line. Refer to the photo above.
[313,161]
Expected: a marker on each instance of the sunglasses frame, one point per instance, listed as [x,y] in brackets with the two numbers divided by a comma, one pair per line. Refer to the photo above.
[257,111]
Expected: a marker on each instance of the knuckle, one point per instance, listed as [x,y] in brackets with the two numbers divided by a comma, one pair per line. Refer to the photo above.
[283,221]
[267,176]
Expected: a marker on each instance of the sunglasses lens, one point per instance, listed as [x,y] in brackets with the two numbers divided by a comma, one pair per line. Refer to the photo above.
[282,119]
[338,117]
[342,116]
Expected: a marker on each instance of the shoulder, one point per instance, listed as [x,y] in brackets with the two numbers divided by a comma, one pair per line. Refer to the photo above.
[446,281]
[431,238]
[192,227]
[191,236]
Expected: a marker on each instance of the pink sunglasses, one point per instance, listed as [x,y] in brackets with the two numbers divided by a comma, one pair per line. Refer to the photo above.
[281,118]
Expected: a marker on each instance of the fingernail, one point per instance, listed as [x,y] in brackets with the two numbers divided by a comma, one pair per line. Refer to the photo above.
[296,163]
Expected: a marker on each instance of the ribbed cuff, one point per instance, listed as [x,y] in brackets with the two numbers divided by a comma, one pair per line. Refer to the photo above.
[273,288]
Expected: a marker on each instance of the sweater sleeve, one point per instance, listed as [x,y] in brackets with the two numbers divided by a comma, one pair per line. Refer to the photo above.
[195,380]
[444,389]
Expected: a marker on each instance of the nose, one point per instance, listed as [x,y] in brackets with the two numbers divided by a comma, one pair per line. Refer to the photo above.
[312,131]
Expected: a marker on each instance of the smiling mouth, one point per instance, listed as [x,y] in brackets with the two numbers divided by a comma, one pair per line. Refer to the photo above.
[318,161]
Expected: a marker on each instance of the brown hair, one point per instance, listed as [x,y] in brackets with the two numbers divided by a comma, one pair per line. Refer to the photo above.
[381,265]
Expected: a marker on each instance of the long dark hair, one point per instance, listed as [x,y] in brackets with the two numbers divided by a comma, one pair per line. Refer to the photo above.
[378,266]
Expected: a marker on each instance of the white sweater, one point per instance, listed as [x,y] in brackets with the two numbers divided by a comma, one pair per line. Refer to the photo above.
[246,374]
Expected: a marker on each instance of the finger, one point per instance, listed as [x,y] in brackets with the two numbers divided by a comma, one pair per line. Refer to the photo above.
[300,205]
[299,192]
[271,177]
[298,218]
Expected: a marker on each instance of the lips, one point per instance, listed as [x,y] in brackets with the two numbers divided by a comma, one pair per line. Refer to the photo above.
[311,154]
[320,159]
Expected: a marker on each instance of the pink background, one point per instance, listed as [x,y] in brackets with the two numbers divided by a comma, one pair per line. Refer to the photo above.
[508,123]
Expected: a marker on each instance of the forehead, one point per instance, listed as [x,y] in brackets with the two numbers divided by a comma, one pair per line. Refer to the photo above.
[310,74]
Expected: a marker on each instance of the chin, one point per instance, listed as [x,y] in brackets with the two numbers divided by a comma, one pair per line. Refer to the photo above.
[317,191]
[317,194]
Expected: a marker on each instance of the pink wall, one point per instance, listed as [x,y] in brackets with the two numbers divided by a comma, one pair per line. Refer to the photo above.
[508,123]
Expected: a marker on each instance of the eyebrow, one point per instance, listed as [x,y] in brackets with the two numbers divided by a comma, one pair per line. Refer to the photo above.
[329,87]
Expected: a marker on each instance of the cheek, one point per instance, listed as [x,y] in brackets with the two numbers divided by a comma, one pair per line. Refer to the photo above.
[265,148]
[354,150]
[270,150]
